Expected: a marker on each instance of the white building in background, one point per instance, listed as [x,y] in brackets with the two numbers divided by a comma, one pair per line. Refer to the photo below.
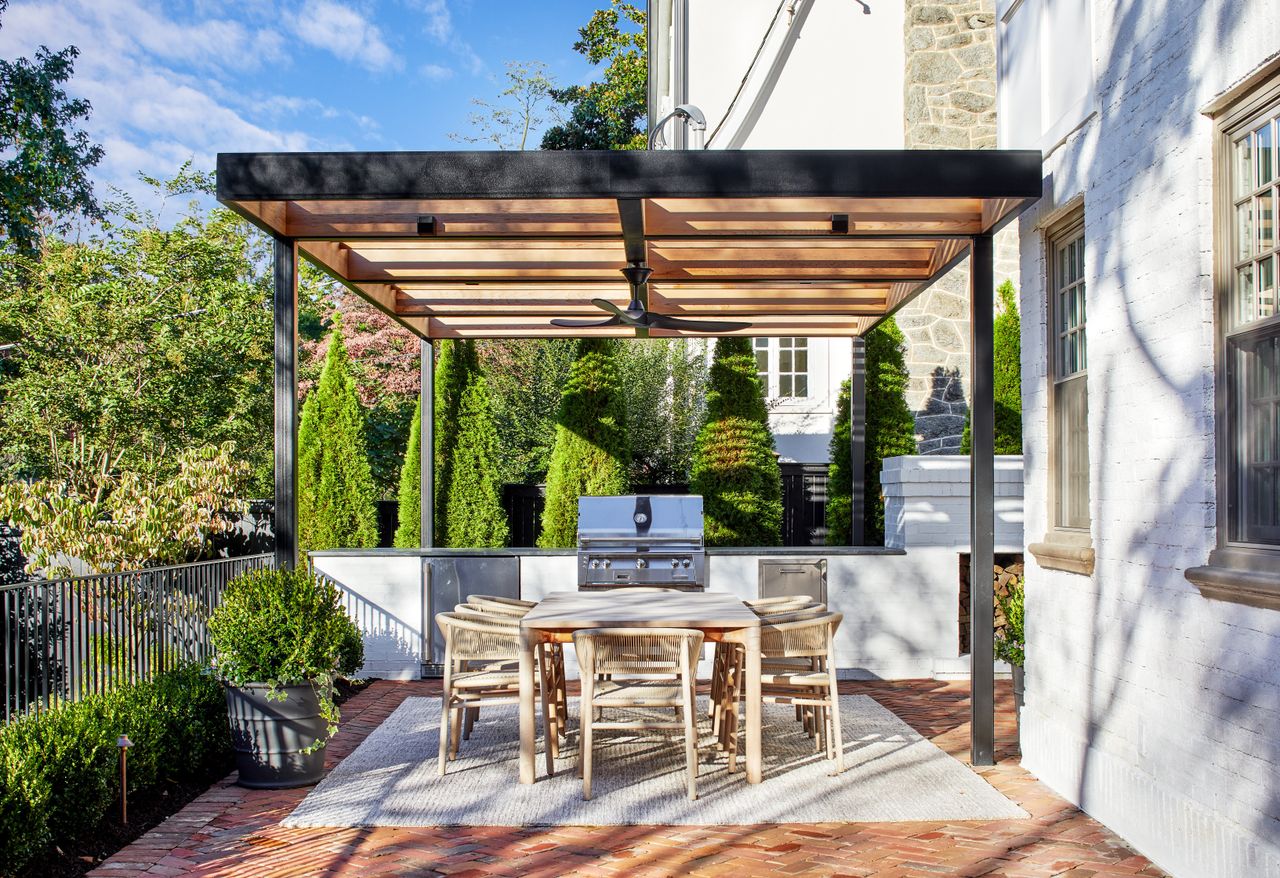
[1151,419]
[839,74]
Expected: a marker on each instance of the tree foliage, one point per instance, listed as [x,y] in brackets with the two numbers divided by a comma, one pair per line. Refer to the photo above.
[468,495]
[735,467]
[526,379]
[409,509]
[107,518]
[890,431]
[44,158]
[664,382]
[610,113]
[523,107]
[147,335]
[335,486]
[1007,384]
[592,452]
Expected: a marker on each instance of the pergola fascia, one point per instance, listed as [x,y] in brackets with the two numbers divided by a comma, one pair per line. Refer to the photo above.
[497,244]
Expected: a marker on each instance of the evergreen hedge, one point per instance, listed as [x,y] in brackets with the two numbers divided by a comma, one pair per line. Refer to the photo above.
[890,431]
[335,486]
[60,768]
[1007,387]
[409,509]
[734,466]
[591,454]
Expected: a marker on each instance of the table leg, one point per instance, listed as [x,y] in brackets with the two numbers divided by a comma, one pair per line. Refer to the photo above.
[752,673]
[528,639]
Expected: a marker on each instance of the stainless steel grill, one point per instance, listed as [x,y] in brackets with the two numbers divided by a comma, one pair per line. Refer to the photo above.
[651,540]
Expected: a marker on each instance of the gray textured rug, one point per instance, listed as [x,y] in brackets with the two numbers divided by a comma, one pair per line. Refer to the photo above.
[891,773]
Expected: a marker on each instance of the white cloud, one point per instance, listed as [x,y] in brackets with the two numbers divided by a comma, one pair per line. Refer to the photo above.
[439,27]
[436,72]
[343,31]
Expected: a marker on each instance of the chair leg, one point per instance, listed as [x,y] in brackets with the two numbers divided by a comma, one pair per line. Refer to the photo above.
[455,731]
[690,731]
[550,738]
[833,694]
[585,719]
[473,713]
[444,731]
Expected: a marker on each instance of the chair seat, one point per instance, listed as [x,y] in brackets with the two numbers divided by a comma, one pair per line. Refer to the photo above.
[637,693]
[799,678]
[495,678]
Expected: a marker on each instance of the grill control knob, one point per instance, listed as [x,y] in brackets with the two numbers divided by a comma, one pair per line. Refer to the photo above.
[641,563]
[605,563]
[675,562]
[685,562]
[595,564]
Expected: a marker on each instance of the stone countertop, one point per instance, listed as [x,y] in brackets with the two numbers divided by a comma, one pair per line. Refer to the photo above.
[809,551]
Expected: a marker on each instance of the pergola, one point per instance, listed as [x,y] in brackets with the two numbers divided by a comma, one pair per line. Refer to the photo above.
[501,244]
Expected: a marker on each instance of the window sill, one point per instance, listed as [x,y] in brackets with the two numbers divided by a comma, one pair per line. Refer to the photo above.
[1064,550]
[1239,578]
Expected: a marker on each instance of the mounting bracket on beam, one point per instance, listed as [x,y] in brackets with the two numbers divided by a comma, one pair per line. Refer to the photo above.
[839,223]
[427,226]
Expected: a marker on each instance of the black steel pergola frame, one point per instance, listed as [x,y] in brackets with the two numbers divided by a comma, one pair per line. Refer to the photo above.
[629,177]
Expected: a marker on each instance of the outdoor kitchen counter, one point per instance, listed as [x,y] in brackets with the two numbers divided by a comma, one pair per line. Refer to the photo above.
[900,607]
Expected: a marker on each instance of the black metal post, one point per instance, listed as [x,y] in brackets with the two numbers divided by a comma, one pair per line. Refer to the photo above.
[982,502]
[286,403]
[427,430]
[858,441]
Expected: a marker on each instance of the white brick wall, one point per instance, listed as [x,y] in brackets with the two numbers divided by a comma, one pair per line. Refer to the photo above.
[1155,709]
[926,502]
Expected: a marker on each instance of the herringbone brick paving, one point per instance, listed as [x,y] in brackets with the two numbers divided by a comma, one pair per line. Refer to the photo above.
[229,831]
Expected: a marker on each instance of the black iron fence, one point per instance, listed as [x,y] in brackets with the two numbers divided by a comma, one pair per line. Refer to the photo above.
[63,639]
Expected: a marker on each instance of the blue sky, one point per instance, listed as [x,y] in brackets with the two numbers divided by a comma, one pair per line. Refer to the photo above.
[178,80]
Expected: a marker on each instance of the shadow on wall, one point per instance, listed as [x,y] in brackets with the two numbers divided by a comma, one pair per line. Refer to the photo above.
[1140,613]
[392,646]
[940,424]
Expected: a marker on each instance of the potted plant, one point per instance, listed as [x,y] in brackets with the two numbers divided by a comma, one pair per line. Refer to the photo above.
[280,637]
[1010,643]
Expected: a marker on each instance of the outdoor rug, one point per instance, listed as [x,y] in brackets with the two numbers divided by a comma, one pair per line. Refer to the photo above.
[891,773]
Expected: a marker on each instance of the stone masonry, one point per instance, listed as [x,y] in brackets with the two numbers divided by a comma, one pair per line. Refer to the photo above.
[950,104]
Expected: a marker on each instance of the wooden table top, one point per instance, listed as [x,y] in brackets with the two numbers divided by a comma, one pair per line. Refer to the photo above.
[620,609]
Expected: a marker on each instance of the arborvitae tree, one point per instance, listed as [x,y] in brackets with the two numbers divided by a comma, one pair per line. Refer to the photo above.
[591,455]
[409,513]
[473,507]
[735,468]
[335,487]
[1007,385]
[456,363]
[890,431]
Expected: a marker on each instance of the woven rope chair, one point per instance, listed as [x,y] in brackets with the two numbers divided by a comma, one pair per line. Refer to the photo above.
[481,667]
[786,645]
[496,603]
[783,608]
[646,668]
[550,660]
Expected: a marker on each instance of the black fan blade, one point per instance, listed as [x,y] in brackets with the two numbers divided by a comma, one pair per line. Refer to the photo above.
[662,321]
[623,316]
[585,324]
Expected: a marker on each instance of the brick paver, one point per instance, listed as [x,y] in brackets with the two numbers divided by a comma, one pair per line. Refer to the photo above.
[229,831]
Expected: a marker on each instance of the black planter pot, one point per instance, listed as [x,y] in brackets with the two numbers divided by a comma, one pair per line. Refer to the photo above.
[269,736]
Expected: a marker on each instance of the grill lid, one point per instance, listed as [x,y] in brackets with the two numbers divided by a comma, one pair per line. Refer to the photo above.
[643,518]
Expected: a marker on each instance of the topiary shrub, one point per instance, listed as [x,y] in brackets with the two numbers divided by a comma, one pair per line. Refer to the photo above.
[473,507]
[591,454]
[890,431]
[1007,375]
[335,485]
[284,628]
[734,466]
[409,510]
[59,769]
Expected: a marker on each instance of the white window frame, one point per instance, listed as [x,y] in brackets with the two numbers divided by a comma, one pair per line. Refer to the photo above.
[773,376]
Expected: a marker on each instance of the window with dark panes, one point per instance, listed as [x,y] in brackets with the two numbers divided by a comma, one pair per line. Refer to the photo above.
[1251,334]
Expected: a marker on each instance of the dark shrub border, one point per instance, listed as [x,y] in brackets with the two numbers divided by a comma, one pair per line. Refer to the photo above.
[59,769]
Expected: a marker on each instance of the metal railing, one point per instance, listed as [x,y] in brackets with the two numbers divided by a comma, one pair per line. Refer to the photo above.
[63,639]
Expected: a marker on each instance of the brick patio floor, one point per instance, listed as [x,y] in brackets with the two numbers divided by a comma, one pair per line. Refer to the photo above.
[231,831]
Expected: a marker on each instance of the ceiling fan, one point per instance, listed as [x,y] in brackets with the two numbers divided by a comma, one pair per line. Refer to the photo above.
[637,315]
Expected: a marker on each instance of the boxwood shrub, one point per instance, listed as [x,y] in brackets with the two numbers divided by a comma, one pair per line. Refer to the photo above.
[59,769]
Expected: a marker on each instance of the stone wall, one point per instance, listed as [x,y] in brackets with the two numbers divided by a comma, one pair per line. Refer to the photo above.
[950,104]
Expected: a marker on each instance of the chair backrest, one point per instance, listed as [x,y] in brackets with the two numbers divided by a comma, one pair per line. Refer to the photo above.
[483,614]
[799,638]
[499,599]
[471,637]
[642,589]
[639,651]
[497,606]
[795,614]
[779,604]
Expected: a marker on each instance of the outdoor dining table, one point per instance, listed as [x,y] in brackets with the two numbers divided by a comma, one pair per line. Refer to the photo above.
[559,614]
